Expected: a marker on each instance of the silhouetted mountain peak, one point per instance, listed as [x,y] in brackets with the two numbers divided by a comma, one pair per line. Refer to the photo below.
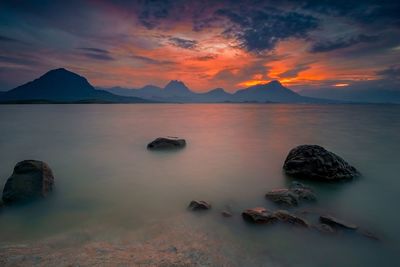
[177,87]
[62,85]
[275,83]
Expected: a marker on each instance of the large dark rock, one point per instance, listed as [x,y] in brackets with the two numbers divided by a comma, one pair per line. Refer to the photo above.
[258,215]
[199,205]
[31,179]
[315,162]
[167,143]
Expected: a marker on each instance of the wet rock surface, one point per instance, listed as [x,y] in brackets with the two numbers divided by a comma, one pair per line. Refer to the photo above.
[316,163]
[199,205]
[285,216]
[283,196]
[169,142]
[334,222]
[258,215]
[292,196]
[30,180]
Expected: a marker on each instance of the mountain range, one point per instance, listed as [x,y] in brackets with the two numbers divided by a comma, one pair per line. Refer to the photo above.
[63,86]
[177,91]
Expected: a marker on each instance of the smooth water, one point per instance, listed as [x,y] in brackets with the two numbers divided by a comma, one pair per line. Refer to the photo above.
[107,180]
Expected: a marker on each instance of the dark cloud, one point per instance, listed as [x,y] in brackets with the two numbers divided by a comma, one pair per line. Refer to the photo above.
[261,29]
[373,12]
[95,50]
[19,60]
[7,39]
[183,43]
[148,60]
[293,73]
[96,53]
[206,57]
[330,45]
[391,73]
[238,75]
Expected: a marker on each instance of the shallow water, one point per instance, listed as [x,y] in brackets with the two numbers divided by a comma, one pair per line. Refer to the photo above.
[108,182]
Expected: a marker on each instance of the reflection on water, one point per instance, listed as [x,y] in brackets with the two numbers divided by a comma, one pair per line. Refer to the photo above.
[107,179]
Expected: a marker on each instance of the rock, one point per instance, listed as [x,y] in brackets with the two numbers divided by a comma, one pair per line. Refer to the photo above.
[226,213]
[199,205]
[258,215]
[369,235]
[285,216]
[324,228]
[296,184]
[167,143]
[304,194]
[334,222]
[31,179]
[315,162]
[283,196]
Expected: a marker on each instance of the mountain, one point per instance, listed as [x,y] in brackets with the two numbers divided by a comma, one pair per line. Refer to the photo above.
[61,85]
[356,95]
[215,95]
[273,91]
[177,91]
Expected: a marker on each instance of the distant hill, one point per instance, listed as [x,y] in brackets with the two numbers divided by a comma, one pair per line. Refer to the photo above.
[360,95]
[62,86]
[177,91]
[273,91]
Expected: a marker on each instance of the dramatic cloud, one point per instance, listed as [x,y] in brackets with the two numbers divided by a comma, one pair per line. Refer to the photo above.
[392,73]
[96,53]
[183,43]
[206,43]
[293,73]
[261,29]
[326,46]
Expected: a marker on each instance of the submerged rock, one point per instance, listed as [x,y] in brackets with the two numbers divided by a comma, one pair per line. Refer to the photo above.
[291,196]
[226,213]
[199,205]
[283,196]
[169,142]
[315,162]
[258,215]
[31,179]
[334,222]
[285,216]
[324,228]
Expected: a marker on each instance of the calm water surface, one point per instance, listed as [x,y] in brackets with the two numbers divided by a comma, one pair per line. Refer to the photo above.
[106,179]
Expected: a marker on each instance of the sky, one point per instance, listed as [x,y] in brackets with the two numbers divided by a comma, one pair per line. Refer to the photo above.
[231,44]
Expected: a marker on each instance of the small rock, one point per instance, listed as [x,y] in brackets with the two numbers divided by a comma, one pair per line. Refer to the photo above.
[304,194]
[334,222]
[317,163]
[296,184]
[226,213]
[199,205]
[283,196]
[31,179]
[285,216]
[324,228]
[369,235]
[258,215]
[168,142]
